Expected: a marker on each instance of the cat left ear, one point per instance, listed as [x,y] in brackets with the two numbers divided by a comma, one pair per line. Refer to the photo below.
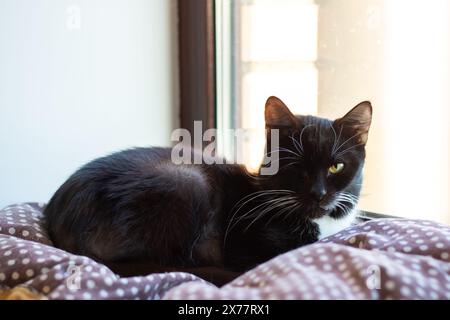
[278,115]
[358,119]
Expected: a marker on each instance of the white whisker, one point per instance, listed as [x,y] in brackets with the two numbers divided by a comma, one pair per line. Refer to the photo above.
[248,213]
[242,202]
[340,153]
[262,213]
[296,145]
[342,144]
[301,135]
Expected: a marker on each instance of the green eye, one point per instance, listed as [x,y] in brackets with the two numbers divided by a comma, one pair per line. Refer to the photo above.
[336,168]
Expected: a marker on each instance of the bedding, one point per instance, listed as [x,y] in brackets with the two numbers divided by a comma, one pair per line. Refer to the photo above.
[378,259]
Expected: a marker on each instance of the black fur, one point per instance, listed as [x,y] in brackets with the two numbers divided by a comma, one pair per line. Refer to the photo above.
[136,206]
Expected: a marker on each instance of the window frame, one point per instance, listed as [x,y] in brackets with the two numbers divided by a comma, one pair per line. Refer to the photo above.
[197,65]
[201,97]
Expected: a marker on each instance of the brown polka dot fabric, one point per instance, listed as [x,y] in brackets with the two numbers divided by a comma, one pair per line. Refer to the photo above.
[28,260]
[379,259]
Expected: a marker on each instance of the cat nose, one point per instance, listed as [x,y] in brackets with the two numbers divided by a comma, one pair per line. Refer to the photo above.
[318,193]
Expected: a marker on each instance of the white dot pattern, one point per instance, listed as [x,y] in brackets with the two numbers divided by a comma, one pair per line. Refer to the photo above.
[379,259]
[28,259]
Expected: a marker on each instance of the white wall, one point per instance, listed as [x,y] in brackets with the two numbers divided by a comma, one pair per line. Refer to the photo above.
[79,79]
[378,50]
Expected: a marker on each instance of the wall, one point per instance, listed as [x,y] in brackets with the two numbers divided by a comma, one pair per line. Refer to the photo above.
[351,65]
[80,79]
[396,54]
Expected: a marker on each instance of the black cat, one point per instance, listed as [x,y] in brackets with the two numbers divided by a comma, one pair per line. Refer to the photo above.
[137,212]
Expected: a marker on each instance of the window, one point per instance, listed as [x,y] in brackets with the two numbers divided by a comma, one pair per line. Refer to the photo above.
[323,57]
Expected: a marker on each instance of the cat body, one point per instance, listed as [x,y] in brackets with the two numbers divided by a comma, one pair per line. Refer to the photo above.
[136,207]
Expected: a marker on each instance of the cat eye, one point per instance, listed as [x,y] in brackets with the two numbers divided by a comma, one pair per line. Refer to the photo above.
[336,168]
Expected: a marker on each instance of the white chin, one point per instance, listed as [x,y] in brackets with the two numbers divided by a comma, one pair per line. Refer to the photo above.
[329,226]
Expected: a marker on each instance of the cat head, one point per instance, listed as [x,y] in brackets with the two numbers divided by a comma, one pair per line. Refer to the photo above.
[320,160]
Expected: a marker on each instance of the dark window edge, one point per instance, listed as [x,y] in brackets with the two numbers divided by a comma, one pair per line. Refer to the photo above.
[368,215]
[197,65]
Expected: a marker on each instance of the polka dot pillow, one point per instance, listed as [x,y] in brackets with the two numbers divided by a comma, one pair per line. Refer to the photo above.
[28,260]
[379,259]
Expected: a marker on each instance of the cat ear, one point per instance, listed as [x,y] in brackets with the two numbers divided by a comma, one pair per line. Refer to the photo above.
[358,119]
[278,114]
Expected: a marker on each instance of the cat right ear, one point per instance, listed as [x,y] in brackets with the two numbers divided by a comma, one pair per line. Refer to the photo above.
[359,120]
[278,115]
